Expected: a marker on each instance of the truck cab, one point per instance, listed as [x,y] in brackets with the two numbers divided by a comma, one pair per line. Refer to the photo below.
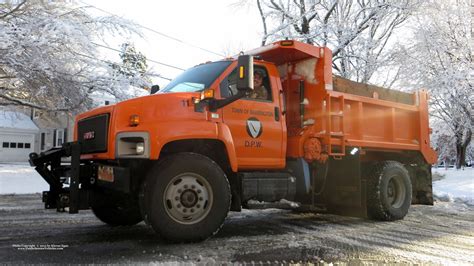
[257,126]
[182,158]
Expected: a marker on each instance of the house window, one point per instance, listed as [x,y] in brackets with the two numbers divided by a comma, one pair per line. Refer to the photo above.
[36,113]
[20,145]
[5,145]
[43,142]
[27,145]
[59,137]
[12,144]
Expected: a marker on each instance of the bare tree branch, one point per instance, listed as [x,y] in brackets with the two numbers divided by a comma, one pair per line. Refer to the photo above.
[12,11]
[264,23]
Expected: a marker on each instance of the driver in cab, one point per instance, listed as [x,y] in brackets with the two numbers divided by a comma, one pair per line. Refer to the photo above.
[259,91]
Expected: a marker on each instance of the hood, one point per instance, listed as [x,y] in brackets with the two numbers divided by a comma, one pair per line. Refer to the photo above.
[158,107]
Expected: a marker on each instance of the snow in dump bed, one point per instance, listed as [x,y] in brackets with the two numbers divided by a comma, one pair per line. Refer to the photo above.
[455,185]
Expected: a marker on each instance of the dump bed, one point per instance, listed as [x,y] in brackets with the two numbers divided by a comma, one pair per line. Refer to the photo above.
[342,113]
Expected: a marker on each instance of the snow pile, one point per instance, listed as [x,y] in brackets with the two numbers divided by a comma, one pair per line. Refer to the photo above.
[290,203]
[456,186]
[275,204]
[256,202]
[20,179]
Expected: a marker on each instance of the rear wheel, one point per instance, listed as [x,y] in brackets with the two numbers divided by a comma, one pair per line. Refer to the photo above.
[116,208]
[389,191]
[187,197]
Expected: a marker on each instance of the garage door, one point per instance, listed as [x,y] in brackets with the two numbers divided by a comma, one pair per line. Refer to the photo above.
[16,147]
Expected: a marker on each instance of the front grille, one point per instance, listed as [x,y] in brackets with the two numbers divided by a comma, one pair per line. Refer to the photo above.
[92,132]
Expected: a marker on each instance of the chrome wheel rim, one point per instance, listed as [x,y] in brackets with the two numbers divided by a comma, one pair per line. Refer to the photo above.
[396,192]
[188,198]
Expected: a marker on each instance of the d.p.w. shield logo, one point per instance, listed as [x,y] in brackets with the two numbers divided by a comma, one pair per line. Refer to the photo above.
[254,127]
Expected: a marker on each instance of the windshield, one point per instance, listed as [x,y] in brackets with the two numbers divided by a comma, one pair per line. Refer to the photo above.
[197,78]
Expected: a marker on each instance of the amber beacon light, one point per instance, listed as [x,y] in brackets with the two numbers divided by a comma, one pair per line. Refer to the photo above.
[134,120]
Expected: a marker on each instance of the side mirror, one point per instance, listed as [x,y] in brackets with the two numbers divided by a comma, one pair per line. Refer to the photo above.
[245,73]
[154,89]
[244,84]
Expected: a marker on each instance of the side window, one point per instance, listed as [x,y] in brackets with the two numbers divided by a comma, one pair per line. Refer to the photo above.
[228,86]
[262,90]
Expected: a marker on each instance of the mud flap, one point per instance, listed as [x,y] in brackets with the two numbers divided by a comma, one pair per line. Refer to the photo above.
[422,182]
[345,193]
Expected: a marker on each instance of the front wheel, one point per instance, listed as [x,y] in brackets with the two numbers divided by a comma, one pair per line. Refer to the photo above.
[187,197]
[389,191]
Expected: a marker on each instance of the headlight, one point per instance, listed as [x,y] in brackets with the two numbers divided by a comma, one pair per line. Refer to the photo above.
[140,148]
[132,145]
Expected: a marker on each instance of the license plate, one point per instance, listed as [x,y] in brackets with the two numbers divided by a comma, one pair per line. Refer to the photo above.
[106,173]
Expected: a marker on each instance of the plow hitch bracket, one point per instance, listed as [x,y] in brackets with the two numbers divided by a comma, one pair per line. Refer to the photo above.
[48,165]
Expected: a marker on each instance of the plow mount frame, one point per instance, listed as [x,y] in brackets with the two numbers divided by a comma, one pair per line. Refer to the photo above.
[50,166]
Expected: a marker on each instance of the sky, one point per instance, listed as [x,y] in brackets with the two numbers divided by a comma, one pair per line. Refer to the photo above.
[215,25]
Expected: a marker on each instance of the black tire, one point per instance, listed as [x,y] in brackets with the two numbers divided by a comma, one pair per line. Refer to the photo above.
[389,191]
[116,209]
[187,197]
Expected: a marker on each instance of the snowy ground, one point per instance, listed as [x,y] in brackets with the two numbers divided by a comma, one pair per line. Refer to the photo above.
[20,178]
[456,186]
[428,235]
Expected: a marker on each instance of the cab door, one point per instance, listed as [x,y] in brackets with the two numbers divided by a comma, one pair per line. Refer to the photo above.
[256,124]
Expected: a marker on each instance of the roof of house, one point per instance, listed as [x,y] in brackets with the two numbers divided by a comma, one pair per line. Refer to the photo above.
[46,120]
[16,120]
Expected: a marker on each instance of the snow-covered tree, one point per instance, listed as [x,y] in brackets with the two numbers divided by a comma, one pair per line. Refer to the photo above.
[443,141]
[470,154]
[357,31]
[48,56]
[440,58]
[133,66]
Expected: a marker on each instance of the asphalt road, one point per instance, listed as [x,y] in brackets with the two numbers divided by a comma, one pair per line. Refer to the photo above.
[441,234]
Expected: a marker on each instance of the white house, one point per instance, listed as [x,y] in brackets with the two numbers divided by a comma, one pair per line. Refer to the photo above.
[17,136]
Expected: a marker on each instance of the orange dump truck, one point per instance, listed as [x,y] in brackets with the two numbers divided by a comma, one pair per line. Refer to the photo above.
[181,158]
